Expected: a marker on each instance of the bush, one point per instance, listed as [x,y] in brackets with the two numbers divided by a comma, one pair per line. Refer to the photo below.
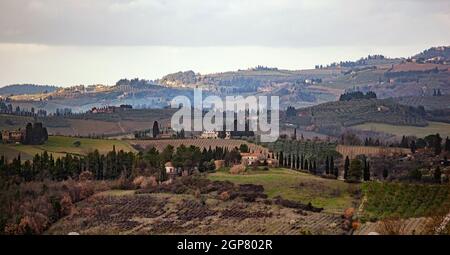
[86,176]
[144,182]
[355,171]
[224,196]
[237,169]
[66,205]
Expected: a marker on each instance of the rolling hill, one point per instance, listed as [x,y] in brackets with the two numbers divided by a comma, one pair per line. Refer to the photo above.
[22,89]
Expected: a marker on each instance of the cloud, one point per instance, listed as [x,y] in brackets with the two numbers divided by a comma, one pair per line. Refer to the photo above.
[195,23]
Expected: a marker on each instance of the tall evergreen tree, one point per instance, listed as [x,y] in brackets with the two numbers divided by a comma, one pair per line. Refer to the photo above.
[437,174]
[327,166]
[155,129]
[366,171]
[346,167]
[302,161]
[385,173]
[332,166]
[413,147]
[438,145]
[355,171]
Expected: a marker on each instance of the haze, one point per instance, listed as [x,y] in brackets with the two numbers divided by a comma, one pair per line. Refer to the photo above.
[87,42]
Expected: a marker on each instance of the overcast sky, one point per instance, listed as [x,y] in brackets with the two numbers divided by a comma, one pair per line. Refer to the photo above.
[68,42]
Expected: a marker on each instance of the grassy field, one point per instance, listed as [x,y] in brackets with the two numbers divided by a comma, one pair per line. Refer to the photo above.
[432,128]
[60,145]
[334,196]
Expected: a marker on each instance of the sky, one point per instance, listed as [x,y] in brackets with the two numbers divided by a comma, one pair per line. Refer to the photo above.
[71,42]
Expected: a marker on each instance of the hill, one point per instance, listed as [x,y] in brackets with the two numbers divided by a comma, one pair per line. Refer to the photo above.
[333,117]
[22,89]
[387,77]
[60,146]
[435,54]
[89,124]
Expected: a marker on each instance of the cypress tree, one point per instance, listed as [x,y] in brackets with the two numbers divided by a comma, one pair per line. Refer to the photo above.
[437,174]
[332,166]
[366,173]
[385,173]
[327,166]
[155,129]
[346,167]
[302,161]
[355,170]
[438,145]
[413,147]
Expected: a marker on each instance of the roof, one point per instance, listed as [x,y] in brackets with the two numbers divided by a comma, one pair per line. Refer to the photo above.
[168,164]
[250,154]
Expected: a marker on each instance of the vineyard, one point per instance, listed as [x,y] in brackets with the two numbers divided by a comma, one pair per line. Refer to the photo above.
[330,118]
[184,214]
[201,143]
[429,102]
[411,226]
[386,200]
[432,128]
[353,151]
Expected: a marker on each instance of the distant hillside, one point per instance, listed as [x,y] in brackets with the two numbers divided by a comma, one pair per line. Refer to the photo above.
[441,53]
[179,78]
[420,75]
[333,117]
[366,62]
[22,89]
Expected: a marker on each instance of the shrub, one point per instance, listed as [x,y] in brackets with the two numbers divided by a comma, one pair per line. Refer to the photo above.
[86,176]
[145,182]
[355,170]
[66,205]
[237,169]
[224,196]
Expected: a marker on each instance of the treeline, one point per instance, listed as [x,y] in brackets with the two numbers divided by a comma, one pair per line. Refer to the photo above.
[45,166]
[434,142]
[35,134]
[347,96]
[301,162]
[8,109]
[358,169]
[115,164]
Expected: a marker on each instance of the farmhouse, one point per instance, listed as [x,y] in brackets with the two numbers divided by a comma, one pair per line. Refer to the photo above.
[170,169]
[271,162]
[215,134]
[106,109]
[210,135]
[250,159]
[15,136]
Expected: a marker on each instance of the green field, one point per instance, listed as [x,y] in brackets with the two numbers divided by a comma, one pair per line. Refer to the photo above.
[333,195]
[61,145]
[433,127]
